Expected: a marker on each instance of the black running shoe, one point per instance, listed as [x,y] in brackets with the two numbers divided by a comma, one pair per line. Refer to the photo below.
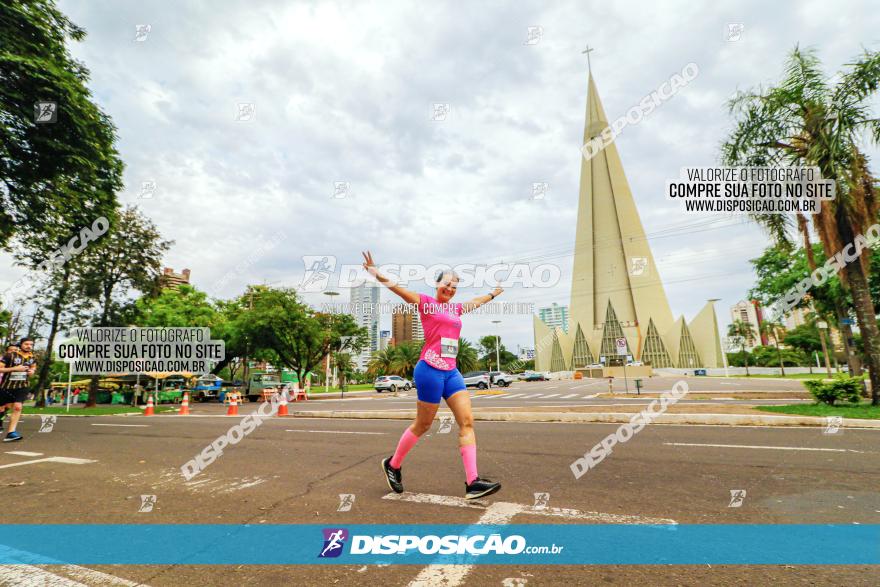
[393,476]
[13,437]
[481,488]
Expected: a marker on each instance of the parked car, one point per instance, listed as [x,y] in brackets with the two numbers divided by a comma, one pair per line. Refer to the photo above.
[536,376]
[391,383]
[500,378]
[478,379]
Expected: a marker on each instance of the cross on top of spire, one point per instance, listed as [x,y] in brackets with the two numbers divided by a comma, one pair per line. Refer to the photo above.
[587,53]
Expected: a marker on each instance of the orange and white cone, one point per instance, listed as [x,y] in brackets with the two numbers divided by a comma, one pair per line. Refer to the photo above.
[149,411]
[233,407]
[184,405]
[282,404]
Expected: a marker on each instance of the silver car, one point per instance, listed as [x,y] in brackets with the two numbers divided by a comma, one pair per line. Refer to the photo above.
[391,383]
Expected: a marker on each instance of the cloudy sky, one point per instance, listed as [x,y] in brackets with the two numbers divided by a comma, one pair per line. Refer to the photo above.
[344,92]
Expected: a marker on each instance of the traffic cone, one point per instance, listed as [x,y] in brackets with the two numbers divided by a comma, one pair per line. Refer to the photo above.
[184,405]
[149,411]
[282,405]
[233,407]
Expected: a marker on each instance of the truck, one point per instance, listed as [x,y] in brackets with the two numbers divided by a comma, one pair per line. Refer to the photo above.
[207,387]
[260,382]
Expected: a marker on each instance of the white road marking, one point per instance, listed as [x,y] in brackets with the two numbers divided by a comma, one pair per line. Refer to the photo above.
[499,513]
[514,395]
[97,578]
[335,432]
[125,425]
[24,453]
[569,395]
[534,395]
[551,387]
[764,447]
[551,395]
[65,460]
[29,576]
[591,396]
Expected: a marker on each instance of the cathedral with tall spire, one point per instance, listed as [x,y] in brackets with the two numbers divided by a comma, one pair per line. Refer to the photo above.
[616,292]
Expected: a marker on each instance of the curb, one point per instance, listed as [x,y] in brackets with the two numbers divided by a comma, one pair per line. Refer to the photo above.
[611,418]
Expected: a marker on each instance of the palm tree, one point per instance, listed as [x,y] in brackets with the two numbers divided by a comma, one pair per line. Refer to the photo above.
[806,121]
[772,329]
[381,361]
[467,358]
[742,333]
[406,355]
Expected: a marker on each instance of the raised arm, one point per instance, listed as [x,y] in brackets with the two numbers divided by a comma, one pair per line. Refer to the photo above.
[480,300]
[407,295]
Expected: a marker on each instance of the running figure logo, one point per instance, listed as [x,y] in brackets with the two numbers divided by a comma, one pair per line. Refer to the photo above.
[334,541]
[346,500]
[737,497]
[47,423]
[541,500]
[45,112]
[832,424]
[318,271]
[147,503]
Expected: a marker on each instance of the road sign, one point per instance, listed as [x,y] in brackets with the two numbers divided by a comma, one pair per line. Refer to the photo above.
[621,346]
[846,322]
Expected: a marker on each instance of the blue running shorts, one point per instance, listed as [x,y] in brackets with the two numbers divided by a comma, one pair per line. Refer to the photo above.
[433,384]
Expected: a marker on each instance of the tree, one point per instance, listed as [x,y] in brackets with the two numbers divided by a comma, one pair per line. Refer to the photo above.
[466,359]
[381,361]
[128,257]
[772,329]
[406,356]
[179,307]
[805,338]
[66,169]
[273,320]
[806,121]
[740,334]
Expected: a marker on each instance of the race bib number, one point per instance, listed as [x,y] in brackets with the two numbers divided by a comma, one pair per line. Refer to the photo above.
[448,348]
[18,376]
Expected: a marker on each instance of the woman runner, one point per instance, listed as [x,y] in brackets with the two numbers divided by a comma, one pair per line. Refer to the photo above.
[436,377]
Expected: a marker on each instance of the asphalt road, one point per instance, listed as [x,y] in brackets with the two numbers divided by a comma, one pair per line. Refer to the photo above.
[293,470]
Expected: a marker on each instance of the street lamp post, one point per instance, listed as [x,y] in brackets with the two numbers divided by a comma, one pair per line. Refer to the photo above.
[327,368]
[497,351]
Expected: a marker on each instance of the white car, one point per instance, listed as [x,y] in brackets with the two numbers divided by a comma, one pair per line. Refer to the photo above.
[391,383]
[501,379]
[478,379]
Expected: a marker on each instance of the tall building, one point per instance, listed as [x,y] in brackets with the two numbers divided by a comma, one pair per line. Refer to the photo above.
[170,279]
[365,309]
[406,326]
[616,292]
[555,315]
[384,339]
[750,313]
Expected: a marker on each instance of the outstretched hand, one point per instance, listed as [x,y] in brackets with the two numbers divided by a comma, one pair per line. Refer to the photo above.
[369,265]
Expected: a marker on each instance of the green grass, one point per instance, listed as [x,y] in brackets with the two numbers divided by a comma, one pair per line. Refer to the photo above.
[79,410]
[862,410]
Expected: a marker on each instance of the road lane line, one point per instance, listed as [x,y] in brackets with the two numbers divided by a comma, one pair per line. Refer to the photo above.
[65,460]
[30,576]
[24,453]
[551,395]
[569,395]
[514,395]
[532,396]
[335,432]
[97,578]
[764,447]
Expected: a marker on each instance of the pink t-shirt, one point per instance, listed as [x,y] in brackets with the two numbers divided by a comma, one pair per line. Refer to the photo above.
[442,325]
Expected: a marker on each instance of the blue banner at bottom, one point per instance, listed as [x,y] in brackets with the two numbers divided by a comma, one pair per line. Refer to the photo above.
[515,544]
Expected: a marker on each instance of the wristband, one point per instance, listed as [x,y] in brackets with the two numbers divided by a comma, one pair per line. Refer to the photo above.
[491,295]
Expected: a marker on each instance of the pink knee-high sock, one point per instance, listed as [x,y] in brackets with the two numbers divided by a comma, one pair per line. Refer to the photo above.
[407,441]
[469,458]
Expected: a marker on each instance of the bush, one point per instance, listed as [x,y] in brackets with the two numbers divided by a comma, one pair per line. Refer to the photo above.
[842,388]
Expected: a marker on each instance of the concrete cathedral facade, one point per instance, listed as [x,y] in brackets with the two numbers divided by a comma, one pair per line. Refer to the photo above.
[616,290]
